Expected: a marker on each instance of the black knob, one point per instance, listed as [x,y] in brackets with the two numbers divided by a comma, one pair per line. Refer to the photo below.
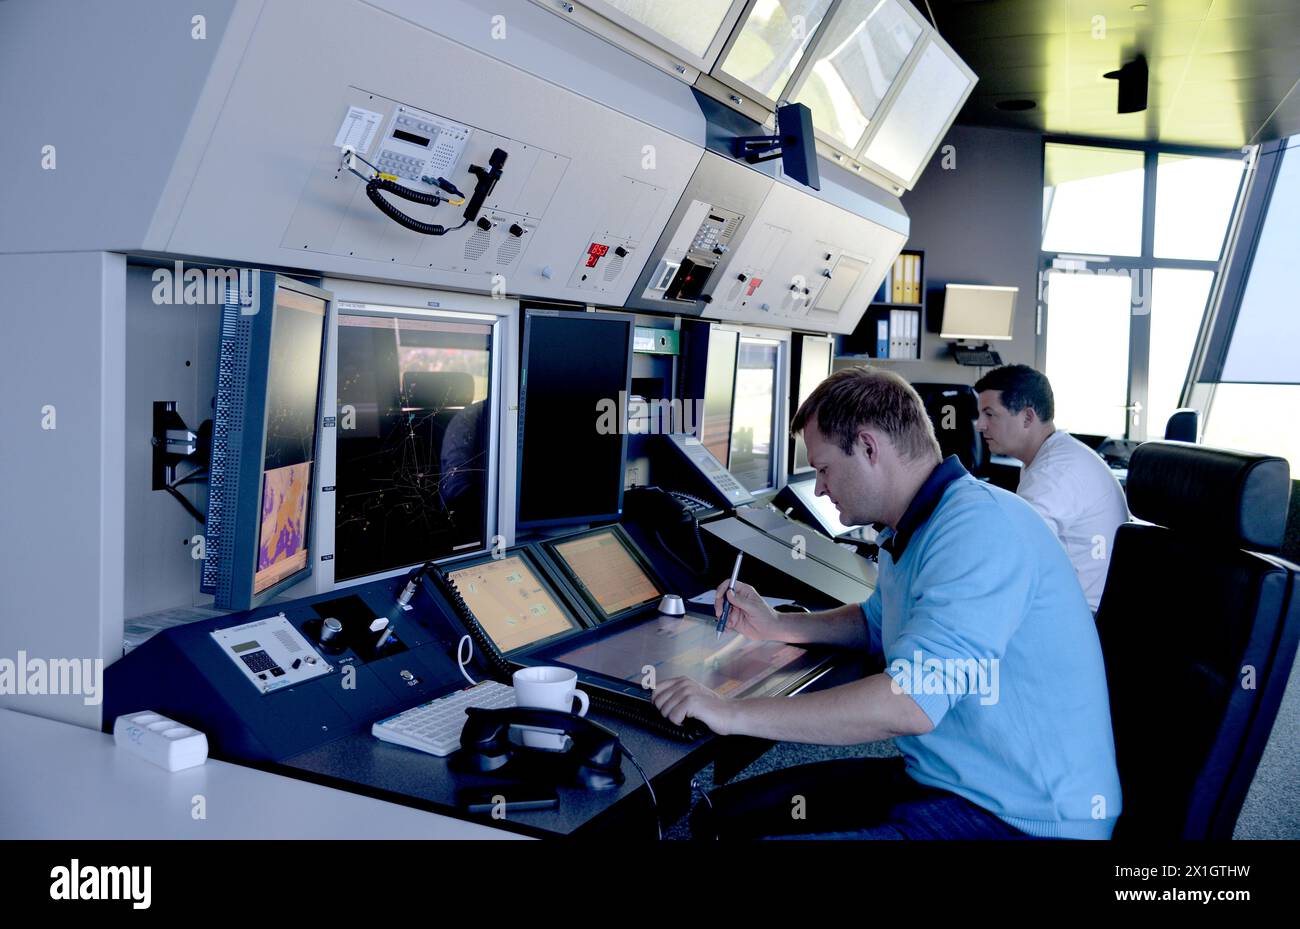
[741,277]
[706,299]
[794,287]
[484,223]
[807,291]
[828,256]
[620,251]
[516,230]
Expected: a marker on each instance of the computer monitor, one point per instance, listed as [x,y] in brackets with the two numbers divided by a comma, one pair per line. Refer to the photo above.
[264,440]
[977,312]
[513,602]
[812,365]
[824,513]
[714,427]
[608,570]
[415,444]
[576,369]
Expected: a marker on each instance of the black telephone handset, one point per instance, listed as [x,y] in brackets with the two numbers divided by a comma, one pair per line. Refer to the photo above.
[594,758]
[670,513]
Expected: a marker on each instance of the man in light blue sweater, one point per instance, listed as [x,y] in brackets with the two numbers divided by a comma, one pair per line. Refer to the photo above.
[993,688]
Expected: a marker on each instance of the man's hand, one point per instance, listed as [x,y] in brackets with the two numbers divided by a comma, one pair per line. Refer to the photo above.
[680,697]
[750,614]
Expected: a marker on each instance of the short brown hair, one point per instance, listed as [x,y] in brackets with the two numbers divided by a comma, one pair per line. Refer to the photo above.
[853,397]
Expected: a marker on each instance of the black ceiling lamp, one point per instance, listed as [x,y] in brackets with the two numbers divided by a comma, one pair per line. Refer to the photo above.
[1132,78]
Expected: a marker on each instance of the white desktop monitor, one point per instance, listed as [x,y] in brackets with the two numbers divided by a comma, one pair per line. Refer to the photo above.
[974,311]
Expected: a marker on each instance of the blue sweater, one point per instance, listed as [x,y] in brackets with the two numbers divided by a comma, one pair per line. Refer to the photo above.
[981,620]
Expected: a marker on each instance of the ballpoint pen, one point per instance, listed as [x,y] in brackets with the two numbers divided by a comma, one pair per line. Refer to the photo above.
[726,604]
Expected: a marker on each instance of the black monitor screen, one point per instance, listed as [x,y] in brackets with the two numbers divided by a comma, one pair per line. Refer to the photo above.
[572,432]
[414,425]
[292,394]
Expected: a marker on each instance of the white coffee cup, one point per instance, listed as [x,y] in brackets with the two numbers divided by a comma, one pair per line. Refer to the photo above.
[548,688]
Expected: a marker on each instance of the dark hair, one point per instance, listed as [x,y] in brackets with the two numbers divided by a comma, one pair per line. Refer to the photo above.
[1021,386]
[853,397]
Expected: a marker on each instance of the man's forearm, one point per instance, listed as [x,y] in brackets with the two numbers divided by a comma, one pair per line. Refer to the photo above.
[844,625]
[863,711]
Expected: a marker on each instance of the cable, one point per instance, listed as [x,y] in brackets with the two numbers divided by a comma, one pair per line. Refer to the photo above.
[708,801]
[654,802]
[462,661]
[377,184]
[699,541]
[190,508]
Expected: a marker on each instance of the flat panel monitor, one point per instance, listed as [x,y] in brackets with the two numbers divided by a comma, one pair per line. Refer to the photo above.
[577,367]
[513,601]
[616,655]
[608,570]
[265,439]
[972,311]
[813,365]
[415,439]
[823,511]
[719,393]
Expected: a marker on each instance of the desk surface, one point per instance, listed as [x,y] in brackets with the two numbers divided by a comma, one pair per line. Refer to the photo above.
[60,781]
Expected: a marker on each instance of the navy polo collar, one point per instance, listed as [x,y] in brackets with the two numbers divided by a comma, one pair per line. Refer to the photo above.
[923,504]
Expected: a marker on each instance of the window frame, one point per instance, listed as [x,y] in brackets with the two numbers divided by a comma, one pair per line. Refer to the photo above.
[1137,394]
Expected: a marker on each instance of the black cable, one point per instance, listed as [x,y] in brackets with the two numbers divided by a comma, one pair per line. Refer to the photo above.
[654,802]
[377,184]
[186,503]
[699,541]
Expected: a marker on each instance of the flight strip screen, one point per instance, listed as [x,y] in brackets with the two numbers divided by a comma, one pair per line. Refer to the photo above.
[685,646]
[511,602]
[611,575]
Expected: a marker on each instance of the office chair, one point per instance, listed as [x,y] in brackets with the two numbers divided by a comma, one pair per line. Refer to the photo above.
[1182,425]
[954,410]
[1198,627]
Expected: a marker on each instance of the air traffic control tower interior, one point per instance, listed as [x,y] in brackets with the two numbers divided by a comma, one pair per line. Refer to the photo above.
[368,360]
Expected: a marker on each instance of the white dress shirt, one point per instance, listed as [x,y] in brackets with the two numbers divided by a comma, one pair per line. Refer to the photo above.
[1081,500]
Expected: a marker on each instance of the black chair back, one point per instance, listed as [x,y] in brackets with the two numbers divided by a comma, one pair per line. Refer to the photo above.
[1198,626]
[954,410]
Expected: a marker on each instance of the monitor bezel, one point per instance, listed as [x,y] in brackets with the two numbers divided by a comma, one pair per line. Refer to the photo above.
[967,337]
[549,548]
[531,312]
[567,598]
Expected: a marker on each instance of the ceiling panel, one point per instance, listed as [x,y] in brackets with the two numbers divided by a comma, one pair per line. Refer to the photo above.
[1223,72]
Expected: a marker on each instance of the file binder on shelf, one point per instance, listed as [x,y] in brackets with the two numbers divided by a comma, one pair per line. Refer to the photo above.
[891,326]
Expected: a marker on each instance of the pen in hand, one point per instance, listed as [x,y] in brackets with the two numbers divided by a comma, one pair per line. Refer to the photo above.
[726,604]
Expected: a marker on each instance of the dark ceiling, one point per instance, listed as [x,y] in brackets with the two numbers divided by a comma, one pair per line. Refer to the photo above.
[1224,73]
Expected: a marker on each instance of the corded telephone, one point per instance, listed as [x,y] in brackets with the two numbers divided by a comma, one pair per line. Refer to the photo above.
[675,515]
[593,759]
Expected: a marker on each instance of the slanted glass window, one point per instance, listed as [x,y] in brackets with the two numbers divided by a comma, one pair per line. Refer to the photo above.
[413,440]
[1267,329]
[772,42]
[1177,305]
[691,24]
[1194,202]
[1092,200]
[863,51]
[754,421]
[1256,418]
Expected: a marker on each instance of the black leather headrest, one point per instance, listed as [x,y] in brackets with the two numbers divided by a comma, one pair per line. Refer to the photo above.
[1235,497]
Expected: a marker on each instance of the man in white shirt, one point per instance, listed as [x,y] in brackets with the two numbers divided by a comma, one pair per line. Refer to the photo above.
[1064,480]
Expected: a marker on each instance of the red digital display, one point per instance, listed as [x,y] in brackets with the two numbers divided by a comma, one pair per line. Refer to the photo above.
[595,252]
[754,284]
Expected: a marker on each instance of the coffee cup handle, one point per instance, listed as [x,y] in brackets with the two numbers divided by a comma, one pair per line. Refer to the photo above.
[584,700]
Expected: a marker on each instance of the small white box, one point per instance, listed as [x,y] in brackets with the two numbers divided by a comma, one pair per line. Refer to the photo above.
[163,741]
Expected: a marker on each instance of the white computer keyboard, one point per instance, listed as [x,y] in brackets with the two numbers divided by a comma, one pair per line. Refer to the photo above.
[434,727]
